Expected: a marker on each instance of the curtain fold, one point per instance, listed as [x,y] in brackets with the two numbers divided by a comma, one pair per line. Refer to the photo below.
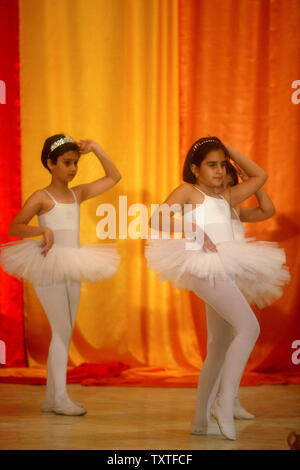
[11,295]
[145,79]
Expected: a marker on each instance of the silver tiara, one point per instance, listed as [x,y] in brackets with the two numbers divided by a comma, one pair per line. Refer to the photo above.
[198,144]
[60,142]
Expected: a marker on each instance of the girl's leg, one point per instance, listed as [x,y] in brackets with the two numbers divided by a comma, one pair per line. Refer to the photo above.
[73,293]
[219,336]
[60,302]
[239,411]
[73,289]
[227,300]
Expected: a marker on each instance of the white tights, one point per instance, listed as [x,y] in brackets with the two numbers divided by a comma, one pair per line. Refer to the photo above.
[232,330]
[60,302]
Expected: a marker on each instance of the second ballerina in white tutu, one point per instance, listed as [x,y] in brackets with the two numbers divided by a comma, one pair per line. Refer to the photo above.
[221,269]
[57,266]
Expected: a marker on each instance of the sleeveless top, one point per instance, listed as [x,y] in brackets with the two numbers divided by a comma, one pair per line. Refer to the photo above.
[214,217]
[64,220]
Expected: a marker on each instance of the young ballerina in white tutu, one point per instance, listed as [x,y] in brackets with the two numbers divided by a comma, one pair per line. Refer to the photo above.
[57,266]
[221,339]
[217,271]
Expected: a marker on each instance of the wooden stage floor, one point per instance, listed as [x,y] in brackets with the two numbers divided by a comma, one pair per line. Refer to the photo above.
[122,418]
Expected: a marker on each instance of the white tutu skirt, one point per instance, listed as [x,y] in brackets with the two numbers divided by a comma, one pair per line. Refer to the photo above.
[23,259]
[257,267]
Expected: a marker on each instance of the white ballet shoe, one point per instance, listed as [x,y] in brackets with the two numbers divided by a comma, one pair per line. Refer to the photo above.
[69,410]
[226,424]
[211,429]
[47,406]
[238,411]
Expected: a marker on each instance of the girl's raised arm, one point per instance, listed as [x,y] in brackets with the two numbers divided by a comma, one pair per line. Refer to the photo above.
[257,177]
[264,211]
[265,208]
[99,186]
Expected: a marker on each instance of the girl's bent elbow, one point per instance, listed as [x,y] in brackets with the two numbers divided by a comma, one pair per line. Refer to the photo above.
[268,213]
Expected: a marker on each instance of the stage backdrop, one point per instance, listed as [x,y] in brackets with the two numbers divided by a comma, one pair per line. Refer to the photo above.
[145,79]
[11,290]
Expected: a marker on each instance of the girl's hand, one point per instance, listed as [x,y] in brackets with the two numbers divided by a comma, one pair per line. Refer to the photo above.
[229,149]
[241,173]
[47,241]
[208,245]
[86,146]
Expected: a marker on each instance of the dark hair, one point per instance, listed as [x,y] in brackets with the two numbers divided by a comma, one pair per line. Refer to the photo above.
[231,170]
[60,150]
[198,152]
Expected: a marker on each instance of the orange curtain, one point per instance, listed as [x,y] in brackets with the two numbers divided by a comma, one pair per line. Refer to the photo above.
[238,61]
[146,78]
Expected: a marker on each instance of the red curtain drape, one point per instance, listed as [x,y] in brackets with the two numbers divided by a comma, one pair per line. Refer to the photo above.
[11,295]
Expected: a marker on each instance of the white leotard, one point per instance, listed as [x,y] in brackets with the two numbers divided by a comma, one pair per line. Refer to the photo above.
[216,216]
[64,220]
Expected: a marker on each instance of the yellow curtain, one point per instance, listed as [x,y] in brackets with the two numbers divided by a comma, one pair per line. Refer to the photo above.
[109,71]
[145,78]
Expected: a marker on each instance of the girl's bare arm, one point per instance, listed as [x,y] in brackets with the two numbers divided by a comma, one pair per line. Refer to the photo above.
[256,178]
[265,209]
[163,218]
[177,202]
[99,186]
[19,226]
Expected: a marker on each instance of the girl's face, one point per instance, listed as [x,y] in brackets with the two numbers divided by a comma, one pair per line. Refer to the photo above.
[65,168]
[212,169]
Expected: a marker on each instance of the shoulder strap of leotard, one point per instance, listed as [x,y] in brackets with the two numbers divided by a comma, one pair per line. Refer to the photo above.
[73,192]
[199,190]
[236,213]
[205,194]
[50,195]
[222,197]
